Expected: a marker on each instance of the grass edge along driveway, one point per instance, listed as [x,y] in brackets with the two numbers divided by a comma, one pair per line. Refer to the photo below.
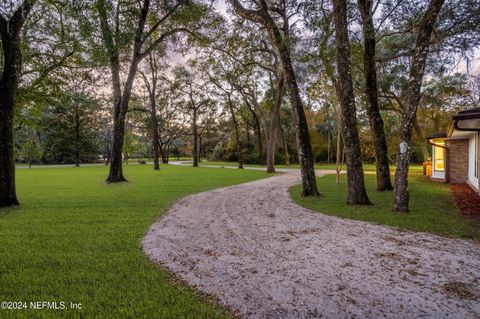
[432,206]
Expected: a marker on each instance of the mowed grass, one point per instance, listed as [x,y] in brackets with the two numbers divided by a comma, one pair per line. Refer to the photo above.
[75,239]
[150,160]
[367,167]
[432,206]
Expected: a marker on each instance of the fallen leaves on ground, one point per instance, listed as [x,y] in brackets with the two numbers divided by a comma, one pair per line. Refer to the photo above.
[467,200]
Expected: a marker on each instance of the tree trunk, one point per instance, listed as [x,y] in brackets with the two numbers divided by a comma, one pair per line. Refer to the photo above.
[109,153]
[8,196]
[116,158]
[357,195]
[305,154]
[257,127]
[116,170]
[339,156]
[151,86]
[10,75]
[285,146]
[121,97]
[329,145]
[384,182]
[258,132]
[156,156]
[39,139]
[163,154]
[195,138]
[274,125]
[155,135]
[167,153]
[413,95]
[237,134]
[77,136]
[120,114]
[165,159]
[426,146]
[119,104]
[199,148]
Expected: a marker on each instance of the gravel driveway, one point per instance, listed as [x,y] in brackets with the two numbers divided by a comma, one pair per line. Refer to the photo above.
[260,254]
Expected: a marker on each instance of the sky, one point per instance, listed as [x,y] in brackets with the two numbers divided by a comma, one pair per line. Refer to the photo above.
[474,67]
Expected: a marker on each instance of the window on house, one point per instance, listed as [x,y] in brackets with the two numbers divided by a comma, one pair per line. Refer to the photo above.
[439,158]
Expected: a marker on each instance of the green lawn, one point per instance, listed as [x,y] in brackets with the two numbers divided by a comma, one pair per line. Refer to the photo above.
[75,239]
[432,206]
[150,160]
[330,166]
[367,167]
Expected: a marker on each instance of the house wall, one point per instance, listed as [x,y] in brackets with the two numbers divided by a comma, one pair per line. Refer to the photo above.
[478,159]
[457,160]
[473,162]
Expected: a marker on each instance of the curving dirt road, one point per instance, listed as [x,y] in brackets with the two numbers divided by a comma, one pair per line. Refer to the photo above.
[260,254]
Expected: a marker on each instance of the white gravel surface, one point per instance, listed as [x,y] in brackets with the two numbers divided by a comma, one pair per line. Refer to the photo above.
[260,254]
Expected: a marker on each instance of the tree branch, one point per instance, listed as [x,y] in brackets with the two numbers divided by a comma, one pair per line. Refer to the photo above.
[162,19]
[252,15]
[162,38]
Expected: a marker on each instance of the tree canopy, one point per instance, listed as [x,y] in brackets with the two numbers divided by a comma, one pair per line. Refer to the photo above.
[262,82]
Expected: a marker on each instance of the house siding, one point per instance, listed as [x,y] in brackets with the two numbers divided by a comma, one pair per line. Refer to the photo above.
[457,160]
[478,160]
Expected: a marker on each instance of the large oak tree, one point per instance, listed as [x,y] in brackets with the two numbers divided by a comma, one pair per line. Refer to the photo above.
[152,25]
[279,35]
[413,95]
[357,194]
[384,182]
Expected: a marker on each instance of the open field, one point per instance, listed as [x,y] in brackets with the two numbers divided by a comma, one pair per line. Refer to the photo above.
[75,239]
